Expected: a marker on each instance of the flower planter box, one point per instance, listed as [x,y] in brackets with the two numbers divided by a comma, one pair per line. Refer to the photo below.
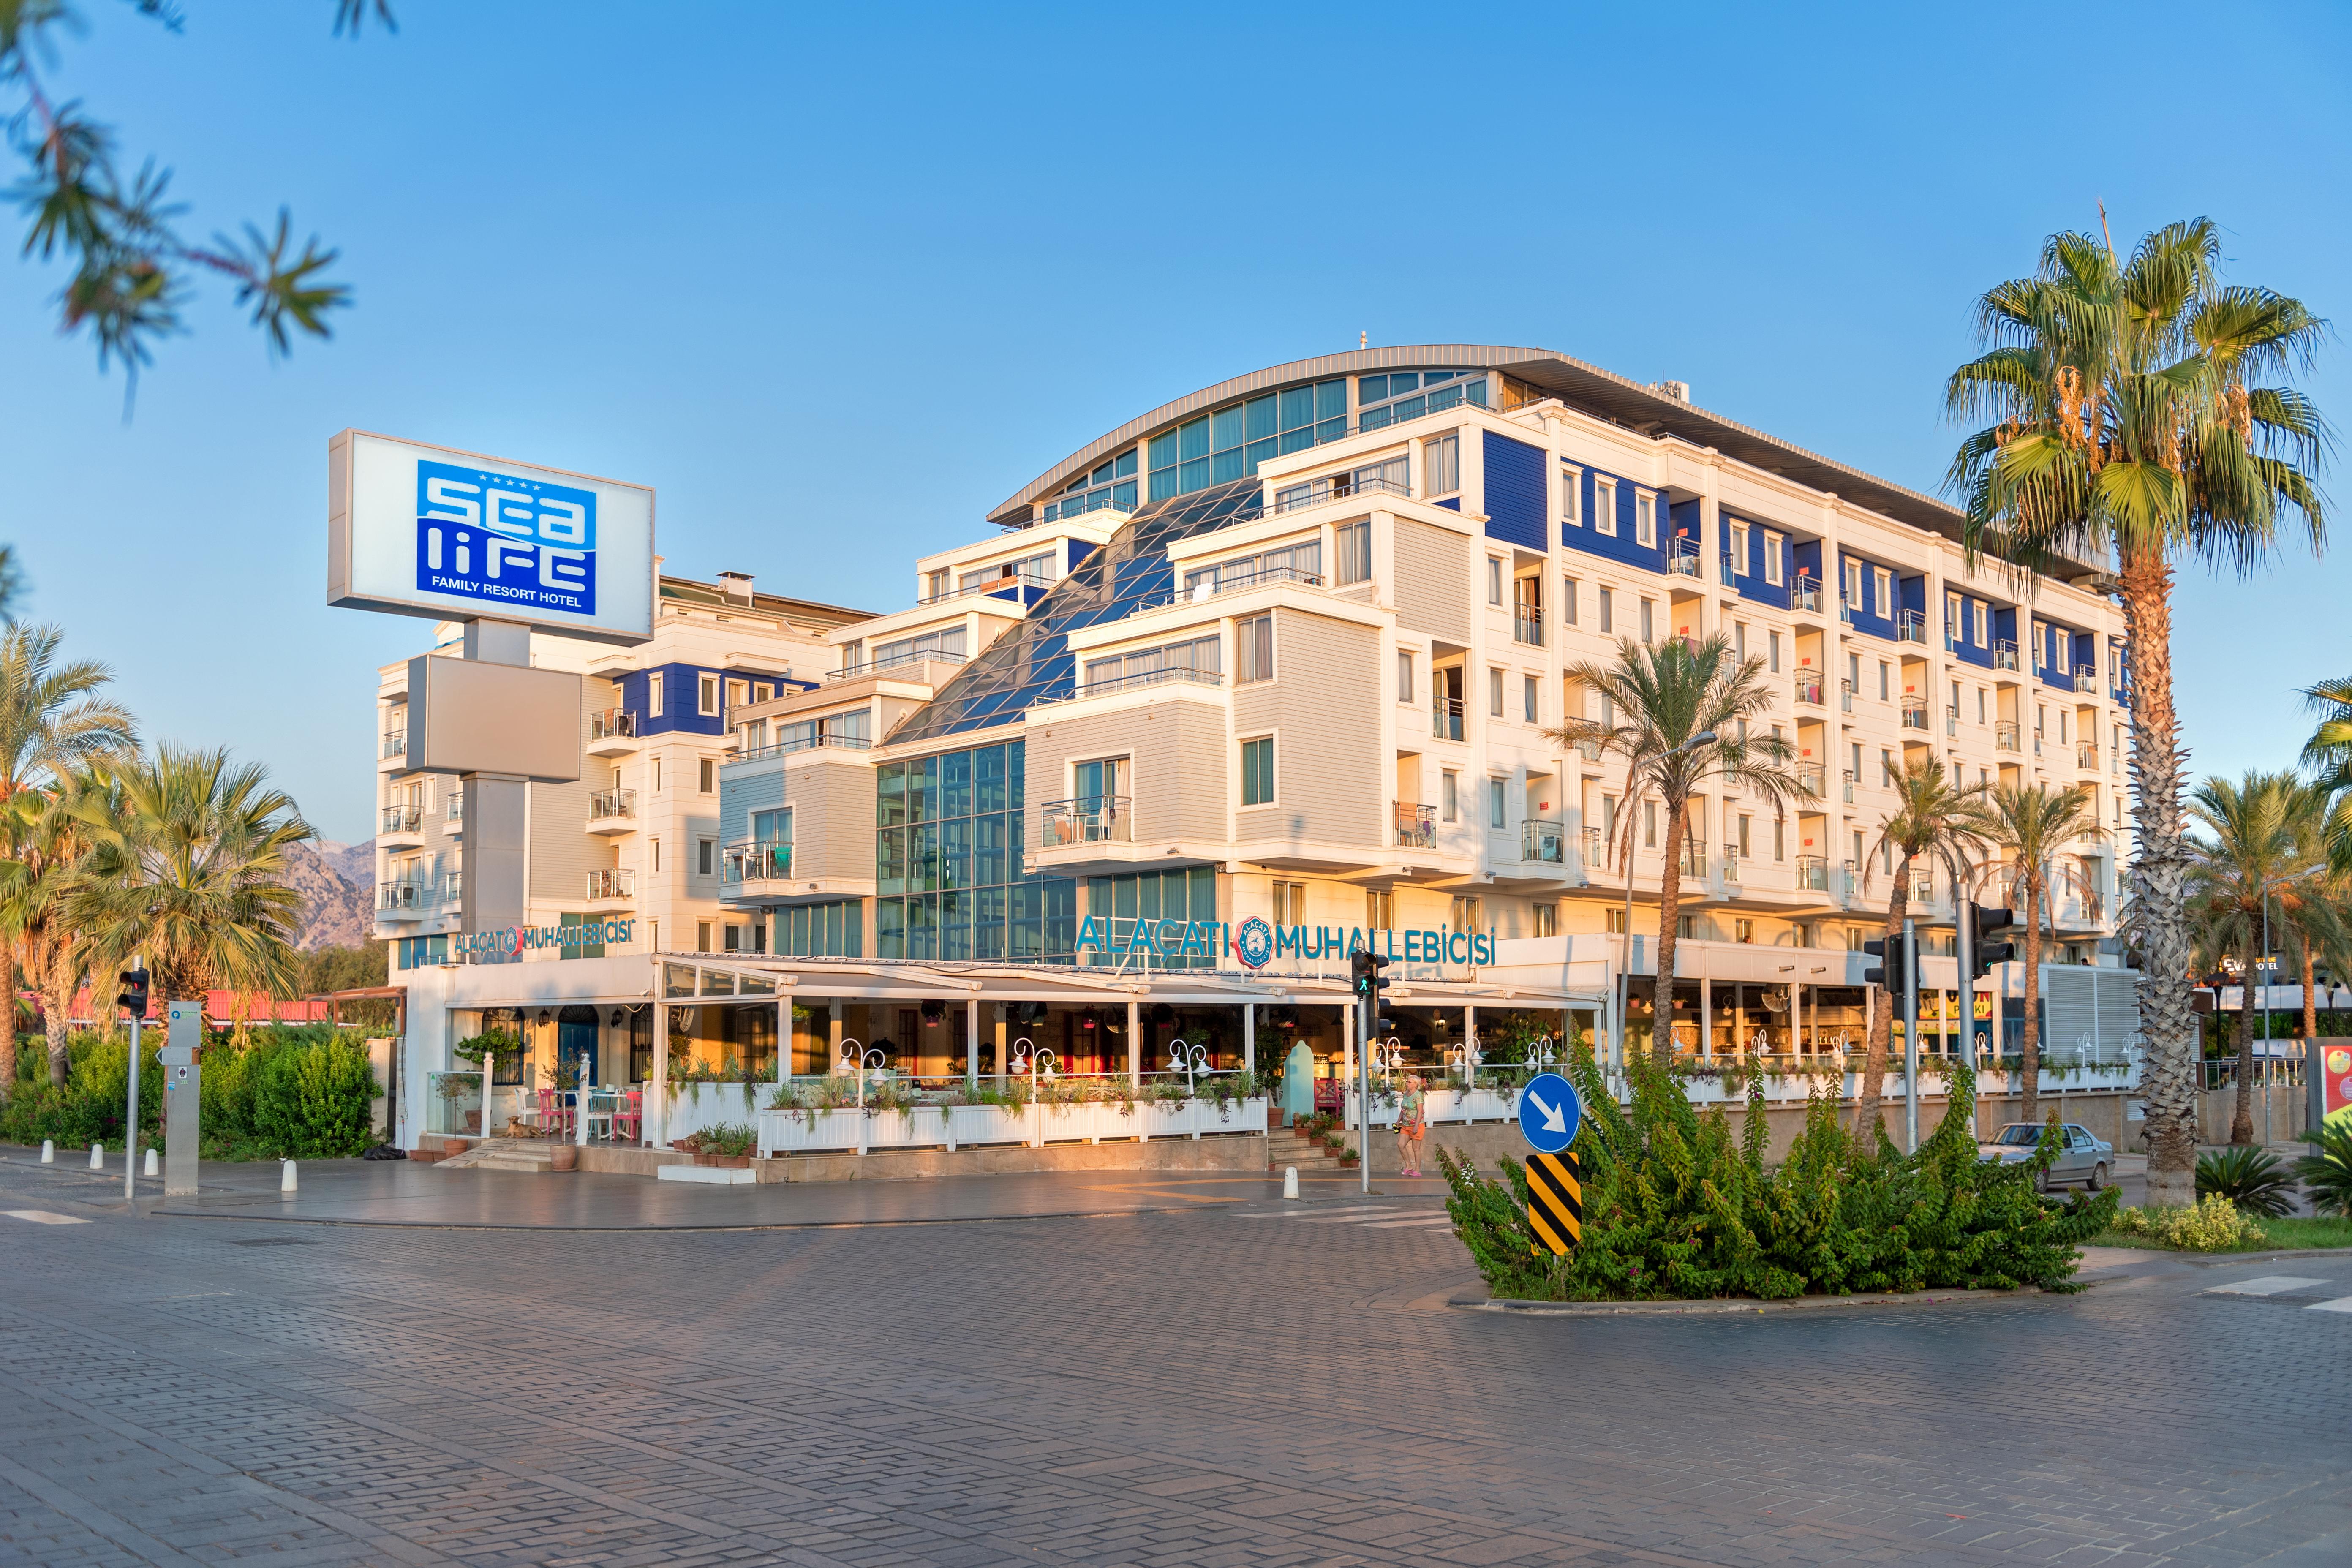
[931,1126]
[724,1162]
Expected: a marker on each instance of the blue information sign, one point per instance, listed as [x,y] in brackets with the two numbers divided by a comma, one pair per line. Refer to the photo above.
[1549,1112]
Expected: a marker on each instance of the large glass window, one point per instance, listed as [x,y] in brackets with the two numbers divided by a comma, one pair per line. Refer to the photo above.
[1175,661]
[1442,465]
[943,645]
[1352,544]
[1291,563]
[1257,771]
[1253,654]
[1029,571]
[834,930]
[1231,442]
[947,851]
[1163,896]
[1382,400]
[1111,483]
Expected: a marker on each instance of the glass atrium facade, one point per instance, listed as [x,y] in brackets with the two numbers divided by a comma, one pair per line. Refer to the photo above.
[947,850]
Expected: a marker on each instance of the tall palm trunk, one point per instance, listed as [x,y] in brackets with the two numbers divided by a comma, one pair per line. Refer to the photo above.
[2242,1119]
[57,999]
[2310,1002]
[1869,1107]
[2160,885]
[2029,1064]
[1670,901]
[9,997]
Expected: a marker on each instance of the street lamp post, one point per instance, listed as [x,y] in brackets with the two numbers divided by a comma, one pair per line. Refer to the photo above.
[1035,1061]
[1188,1060]
[859,1060]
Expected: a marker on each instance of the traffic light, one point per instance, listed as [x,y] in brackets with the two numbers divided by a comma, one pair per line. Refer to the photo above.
[1894,970]
[1983,952]
[1365,968]
[133,997]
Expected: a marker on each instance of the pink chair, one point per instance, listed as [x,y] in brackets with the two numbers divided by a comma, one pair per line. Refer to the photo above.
[628,1115]
[546,1110]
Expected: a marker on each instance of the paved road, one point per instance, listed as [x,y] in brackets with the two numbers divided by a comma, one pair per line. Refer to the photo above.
[1204,1380]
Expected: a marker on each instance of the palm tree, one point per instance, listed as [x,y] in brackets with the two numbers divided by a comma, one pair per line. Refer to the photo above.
[2328,754]
[188,868]
[51,719]
[1679,715]
[37,898]
[1943,822]
[2033,825]
[2265,848]
[2125,417]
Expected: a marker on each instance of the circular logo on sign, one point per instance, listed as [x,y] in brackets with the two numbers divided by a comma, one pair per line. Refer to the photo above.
[2339,1060]
[1253,943]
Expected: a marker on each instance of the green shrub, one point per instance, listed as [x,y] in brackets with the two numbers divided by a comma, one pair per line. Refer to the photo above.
[2328,1171]
[730,1140]
[1675,1209]
[2257,1183]
[89,1107]
[316,1102]
[2213,1226]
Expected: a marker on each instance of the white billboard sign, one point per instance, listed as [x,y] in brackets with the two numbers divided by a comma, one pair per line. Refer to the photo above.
[430,531]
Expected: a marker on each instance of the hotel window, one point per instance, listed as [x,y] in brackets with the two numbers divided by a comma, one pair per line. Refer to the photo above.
[1613,920]
[1228,444]
[1744,850]
[1608,615]
[1449,791]
[1883,581]
[654,770]
[1608,818]
[1853,584]
[709,778]
[1547,919]
[1441,460]
[1572,492]
[1649,825]
[771,826]
[738,692]
[1527,690]
[1686,928]
[1257,771]
[1649,628]
[1780,839]
[761,691]
[652,858]
[1290,903]
[1351,543]
[1404,676]
[1739,640]
[1380,908]
[1469,914]
[1980,704]
[1743,931]
[1884,677]
[654,695]
[706,856]
[1772,647]
[1495,804]
[1568,586]
[702,936]
[1494,693]
[1955,619]
[1983,614]
[1494,579]
[1645,520]
[1772,573]
[935,584]
[1604,509]
[709,696]
[1740,566]
[1887,772]
[1253,644]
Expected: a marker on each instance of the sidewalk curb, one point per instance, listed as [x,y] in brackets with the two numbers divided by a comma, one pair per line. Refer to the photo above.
[660,1229]
[1737,1307]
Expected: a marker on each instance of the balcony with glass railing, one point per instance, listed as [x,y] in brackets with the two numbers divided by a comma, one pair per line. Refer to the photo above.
[1730,863]
[753,861]
[1693,860]
[1726,570]
[1951,722]
[614,883]
[1208,583]
[611,732]
[410,897]
[2086,680]
[1445,718]
[1812,874]
[1086,819]
[1812,779]
[1911,625]
[395,743]
[1683,556]
[1543,842]
[1596,849]
[1808,691]
[1138,681]
[1847,783]
[400,821]
[612,810]
[1336,487]
[1845,609]
[2086,756]
[1845,696]
[1915,713]
[1416,824]
[2005,736]
[1589,750]
[1805,593]
[2004,655]
[1527,629]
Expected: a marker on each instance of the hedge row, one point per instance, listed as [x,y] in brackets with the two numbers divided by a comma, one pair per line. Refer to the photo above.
[291,1091]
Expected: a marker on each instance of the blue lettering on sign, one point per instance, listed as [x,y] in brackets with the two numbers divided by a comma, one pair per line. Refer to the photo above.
[522,543]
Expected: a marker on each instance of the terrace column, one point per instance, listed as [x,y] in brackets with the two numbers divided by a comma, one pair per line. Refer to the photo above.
[971,1045]
[1134,1043]
[1249,1038]
[1706,1019]
[658,1122]
[784,1038]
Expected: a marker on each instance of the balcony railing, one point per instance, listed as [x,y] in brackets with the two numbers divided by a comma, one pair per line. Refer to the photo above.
[1694,858]
[1911,625]
[2037,743]
[805,742]
[605,805]
[1808,691]
[1682,556]
[2086,755]
[1725,572]
[897,661]
[1731,865]
[1845,696]
[1914,712]
[2086,680]
[612,724]
[1813,780]
[1813,873]
[407,893]
[613,884]
[1208,585]
[1086,819]
[2004,655]
[1337,487]
[457,806]
[1845,609]
[1029,582]
[1951,722]
[1596,850]
[1589,750]
[1543,842]
[1138,681]
[1527,629]
[1804,594]
[1847,781]
[2005,736]
[754,862]
[1445,718]
[395,743]
[1417,825]
[401,819]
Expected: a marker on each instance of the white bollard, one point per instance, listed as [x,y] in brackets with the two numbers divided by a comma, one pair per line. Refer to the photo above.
[152,1168]
[1290,1181]
[98,1156]
[48,1151]
[286,1177]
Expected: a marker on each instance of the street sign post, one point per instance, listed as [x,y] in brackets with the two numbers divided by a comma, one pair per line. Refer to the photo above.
[1554,1200]
[1549,1112]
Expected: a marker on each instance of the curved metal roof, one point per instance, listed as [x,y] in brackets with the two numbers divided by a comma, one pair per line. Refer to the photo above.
[1584,387]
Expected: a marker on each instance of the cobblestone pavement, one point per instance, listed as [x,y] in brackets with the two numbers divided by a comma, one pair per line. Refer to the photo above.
[1212,1383]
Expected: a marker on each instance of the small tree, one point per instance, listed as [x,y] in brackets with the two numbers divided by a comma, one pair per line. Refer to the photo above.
[2033,826]
[1679,715]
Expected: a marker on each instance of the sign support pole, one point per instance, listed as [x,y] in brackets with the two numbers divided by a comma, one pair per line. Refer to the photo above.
[1910,1035]
[130,1118]
[1364,1090]
[494,882]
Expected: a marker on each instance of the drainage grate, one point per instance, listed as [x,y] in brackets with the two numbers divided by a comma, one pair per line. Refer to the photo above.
[276,1241]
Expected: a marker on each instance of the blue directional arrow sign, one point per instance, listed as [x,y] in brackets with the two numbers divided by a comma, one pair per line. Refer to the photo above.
[1549,1112]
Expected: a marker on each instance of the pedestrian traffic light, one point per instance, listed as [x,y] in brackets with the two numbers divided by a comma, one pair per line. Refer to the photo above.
[1365,967]
[133,997]
[1895,962]
[1984,953]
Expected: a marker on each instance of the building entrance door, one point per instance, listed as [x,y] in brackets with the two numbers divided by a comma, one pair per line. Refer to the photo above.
[576,1035]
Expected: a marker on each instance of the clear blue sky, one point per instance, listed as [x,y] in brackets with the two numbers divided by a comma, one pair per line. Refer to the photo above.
[835,282]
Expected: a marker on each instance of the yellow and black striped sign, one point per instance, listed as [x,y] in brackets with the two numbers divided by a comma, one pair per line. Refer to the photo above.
[1555,1200]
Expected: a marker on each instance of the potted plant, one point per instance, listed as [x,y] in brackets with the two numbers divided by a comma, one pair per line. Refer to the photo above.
[728,1145]
[567,1155]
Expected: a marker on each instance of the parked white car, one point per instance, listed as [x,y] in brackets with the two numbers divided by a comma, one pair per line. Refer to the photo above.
[2081,1157]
